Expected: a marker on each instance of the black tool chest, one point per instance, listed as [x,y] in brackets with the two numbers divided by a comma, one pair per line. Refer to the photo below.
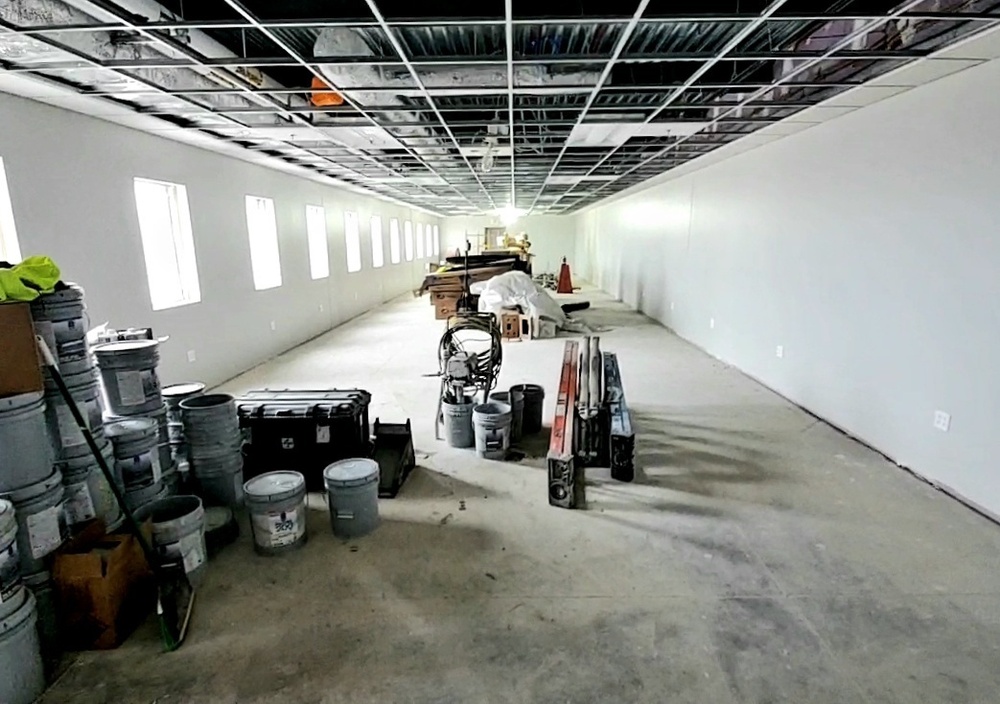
[303,430]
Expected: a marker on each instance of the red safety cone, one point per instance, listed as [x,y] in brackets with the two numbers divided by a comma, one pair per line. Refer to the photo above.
[565,283]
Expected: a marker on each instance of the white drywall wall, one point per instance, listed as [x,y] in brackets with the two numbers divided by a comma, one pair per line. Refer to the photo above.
[70,179]
[552,236]
[868,247]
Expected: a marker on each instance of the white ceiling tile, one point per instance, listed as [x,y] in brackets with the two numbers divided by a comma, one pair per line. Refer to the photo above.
[920,72]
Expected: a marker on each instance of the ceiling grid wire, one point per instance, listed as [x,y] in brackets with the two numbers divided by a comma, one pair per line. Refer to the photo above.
[548,107]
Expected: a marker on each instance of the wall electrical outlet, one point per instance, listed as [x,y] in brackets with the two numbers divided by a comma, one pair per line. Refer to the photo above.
[274,325]
[942,421]
[671,305]
[711,323]
[320,307]
[779,351]
[191,356]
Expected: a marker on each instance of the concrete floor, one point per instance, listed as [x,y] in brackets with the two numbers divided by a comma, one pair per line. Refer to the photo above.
[762,557]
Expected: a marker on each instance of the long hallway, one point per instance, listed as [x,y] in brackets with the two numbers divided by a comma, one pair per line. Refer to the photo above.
[761,557]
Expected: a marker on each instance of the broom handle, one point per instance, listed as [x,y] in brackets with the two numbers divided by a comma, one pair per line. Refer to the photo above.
[54,372]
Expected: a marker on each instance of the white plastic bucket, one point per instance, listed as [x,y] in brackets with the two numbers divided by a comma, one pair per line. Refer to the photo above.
[86,392]
[11,589]
[492,421]
[128,374]
[179,532]
[41,522]
[22,673]
[458,423]
[25,444]
[277,505]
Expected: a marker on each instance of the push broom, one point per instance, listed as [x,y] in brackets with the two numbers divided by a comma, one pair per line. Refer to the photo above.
[174,593]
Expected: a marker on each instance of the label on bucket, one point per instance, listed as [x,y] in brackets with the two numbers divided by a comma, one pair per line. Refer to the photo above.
[322,434]
[189,549]
[130,388]
[79,503]
[10,572]
[141,470]
[277,529]
[46,530]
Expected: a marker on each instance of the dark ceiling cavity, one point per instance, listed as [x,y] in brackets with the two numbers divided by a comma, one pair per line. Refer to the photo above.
[545,106]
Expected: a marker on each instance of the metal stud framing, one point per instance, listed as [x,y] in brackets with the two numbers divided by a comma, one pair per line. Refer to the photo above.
[571,104]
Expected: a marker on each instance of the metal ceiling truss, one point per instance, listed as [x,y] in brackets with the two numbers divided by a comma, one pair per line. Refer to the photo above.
[549,108]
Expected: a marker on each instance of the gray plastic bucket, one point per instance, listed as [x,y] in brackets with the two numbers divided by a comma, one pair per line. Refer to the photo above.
[86,392]
[128,374]
[163,432]
[491,422]
[41,521]
[458,423]
[221,488]
[179,532]
[352,495]
[137,499]
[11,590]
[534,401]
[25,444]
[22,674]
[277,505]
[88,495]
[60,319]
[137,457]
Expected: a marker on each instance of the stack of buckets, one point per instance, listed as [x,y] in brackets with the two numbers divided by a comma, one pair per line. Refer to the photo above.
[136,420]
[214,445]
[492,426]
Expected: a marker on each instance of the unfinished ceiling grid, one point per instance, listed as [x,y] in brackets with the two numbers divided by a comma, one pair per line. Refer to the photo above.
[547,107]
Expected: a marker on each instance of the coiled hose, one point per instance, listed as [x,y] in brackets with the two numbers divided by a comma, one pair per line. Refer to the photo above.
[466,335]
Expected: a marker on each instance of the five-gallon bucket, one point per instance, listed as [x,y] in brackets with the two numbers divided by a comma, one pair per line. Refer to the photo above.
[211,426]
[128,374]
[22,674]
[25,443]
[491,422]
[277,505]
[179,532]
[514,399]
[458,423]
[41,521]
[11,590]
[534,400]
[352,494]
[137,457]
[84,389]
[61,320]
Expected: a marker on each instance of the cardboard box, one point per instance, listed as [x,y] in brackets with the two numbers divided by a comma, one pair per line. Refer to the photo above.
[104,588]
[445,306]
[20,366]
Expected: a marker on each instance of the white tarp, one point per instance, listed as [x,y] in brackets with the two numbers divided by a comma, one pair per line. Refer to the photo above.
[515,288]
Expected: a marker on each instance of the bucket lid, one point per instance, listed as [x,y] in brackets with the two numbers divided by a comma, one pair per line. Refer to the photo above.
[131,427]
[7,518]
[187,388]
[9,404]
[33,491]
[126,347]
[14,620]
[352,472]
[275,486]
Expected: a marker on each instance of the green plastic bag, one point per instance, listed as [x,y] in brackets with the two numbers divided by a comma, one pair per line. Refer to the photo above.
[29,279]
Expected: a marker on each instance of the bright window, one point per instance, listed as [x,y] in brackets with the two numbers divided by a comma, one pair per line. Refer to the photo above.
[429,241]
[378,256]
[352,236]
[167,243]
[10,250]
[408,240]
[263,230]
[319,252]
[394,248]
[420,240]
[436,242]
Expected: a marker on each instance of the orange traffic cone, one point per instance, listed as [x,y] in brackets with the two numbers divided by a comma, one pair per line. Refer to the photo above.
[565,283]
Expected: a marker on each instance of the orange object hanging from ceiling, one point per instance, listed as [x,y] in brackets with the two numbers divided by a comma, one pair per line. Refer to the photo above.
[323,95]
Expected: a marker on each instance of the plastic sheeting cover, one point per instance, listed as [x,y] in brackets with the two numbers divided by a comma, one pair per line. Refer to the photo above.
[515,288]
